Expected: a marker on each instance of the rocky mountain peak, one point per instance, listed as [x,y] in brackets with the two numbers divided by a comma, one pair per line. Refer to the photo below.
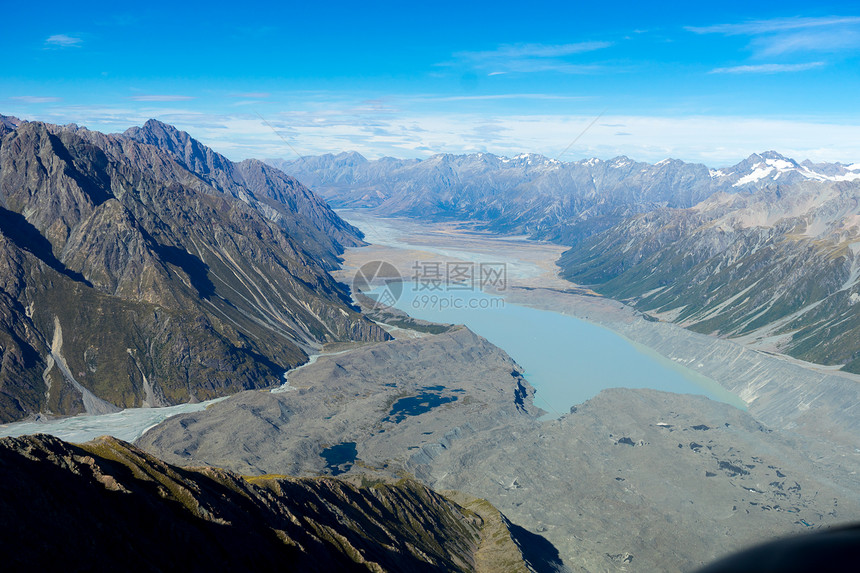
[351,157]
[176,142]
[762,169]
[621,161]
[10,121]
[766,158]
[158,131]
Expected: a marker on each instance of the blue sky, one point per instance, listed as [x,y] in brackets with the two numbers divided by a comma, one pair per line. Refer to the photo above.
[700,81]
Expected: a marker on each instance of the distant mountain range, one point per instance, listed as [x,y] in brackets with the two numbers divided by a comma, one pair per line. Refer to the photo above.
[765,250]
[146,269]
[535,195]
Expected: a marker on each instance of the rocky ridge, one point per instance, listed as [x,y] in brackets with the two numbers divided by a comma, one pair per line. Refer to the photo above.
[535,195]
[105,505]
[128,280]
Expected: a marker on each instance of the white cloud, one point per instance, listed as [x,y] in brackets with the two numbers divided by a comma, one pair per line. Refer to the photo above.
[527,58]
[819,41]
[538,50]
[715,141]
[491,97]
[35,99]
[780,36]
[161,97]
[63,41]
[756,27]
[767,68]
[326,124]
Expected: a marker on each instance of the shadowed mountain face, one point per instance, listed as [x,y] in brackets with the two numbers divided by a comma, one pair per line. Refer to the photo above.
[106,506]
[129,279]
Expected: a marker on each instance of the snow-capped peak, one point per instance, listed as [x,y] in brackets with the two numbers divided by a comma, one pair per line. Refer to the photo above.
[620,162]
[773,166]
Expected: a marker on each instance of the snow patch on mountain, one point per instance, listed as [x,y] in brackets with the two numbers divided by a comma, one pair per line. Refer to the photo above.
[759,172]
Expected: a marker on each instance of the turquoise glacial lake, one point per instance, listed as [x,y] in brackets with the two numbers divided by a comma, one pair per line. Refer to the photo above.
[566,359]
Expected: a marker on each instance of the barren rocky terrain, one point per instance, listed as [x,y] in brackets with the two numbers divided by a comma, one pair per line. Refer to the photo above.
[632,480]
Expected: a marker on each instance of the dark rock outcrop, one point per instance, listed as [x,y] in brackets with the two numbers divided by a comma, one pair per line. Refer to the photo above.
[107,506]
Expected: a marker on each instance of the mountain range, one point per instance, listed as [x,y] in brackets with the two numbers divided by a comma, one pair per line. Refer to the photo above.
[144,269]
[532,194]
[765,250]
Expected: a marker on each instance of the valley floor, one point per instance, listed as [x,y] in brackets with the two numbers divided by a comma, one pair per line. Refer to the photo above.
[745,371]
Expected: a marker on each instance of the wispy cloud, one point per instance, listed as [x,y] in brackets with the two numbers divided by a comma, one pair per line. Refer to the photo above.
[528,58]
[35,99]
[494,97]
[808,41]
[756,27]
[540,50]
[161,97]
[59,41]
[779,36]
[767,68]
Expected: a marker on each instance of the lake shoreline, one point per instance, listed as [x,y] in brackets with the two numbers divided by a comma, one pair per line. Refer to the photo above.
[771,385]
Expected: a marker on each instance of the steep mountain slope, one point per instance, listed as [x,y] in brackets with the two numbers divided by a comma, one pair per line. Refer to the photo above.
[107,506]
[279,197]
[128,280]
[778,268]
